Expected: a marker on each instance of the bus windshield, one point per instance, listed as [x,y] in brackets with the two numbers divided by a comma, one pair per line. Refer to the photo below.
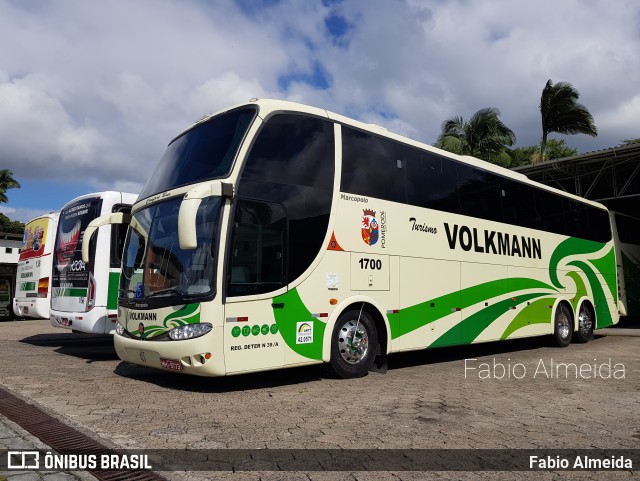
[154,267]
[203,153]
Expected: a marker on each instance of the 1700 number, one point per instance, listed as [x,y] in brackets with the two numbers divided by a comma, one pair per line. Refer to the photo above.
[372,264]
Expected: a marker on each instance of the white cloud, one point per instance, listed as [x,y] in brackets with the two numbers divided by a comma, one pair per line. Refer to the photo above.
[426,64]
[37,136]
[235,88]
[622,116]
[95,90]
[22,215]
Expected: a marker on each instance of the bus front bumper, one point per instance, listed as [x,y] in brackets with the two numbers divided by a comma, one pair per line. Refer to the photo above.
[200,356]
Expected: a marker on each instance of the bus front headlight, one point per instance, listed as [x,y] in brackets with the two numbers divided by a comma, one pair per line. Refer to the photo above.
[190,331]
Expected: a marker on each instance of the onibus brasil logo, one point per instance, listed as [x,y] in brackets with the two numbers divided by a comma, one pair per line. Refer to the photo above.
[370,227]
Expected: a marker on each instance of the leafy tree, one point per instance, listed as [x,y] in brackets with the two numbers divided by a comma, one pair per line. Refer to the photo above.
[523,155]
[7,182]
[562,113]
[10,226]
[483,136]
[556,149]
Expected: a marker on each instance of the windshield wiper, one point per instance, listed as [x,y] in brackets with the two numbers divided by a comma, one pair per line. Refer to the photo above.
[168,291]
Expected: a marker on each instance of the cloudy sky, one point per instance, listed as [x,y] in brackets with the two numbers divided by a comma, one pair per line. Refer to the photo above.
[92,91]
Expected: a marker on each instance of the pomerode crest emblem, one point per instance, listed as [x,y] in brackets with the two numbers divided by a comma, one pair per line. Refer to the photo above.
[370,227]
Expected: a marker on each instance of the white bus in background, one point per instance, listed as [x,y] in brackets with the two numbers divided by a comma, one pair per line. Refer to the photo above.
[84,294]
[627,237]
[33,277]
[276,234]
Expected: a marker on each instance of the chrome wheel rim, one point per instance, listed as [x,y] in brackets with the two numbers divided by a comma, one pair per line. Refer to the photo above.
[353,342]
[585,322]
[564,327]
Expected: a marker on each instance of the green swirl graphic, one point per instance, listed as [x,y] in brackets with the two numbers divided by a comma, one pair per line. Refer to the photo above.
[189,314]
[570,247]
[603,315]
[419,315]
[590,274]
[294,311]
[411,318]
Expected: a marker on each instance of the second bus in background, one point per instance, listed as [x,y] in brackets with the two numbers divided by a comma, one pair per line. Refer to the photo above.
[84,295]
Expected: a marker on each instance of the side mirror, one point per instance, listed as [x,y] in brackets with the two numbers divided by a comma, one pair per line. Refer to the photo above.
[189,210]
[115,218]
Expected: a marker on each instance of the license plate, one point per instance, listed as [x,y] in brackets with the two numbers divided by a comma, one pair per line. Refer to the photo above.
[172,364]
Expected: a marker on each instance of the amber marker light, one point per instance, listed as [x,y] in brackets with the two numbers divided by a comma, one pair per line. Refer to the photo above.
[333,302]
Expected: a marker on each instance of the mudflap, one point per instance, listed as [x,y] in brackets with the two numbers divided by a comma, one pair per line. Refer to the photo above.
[380,364]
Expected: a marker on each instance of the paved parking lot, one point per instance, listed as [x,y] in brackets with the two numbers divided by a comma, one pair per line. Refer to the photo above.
[519,394]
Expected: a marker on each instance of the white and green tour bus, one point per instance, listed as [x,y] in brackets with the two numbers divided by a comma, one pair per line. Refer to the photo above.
[627,242]
[274,234]
[33,276]
[85,293]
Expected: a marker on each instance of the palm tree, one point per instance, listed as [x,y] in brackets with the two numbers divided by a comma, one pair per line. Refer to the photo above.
[6,182]
[483,136]
[562,113]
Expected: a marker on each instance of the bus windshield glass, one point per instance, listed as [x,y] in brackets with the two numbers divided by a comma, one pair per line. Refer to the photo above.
[154,267]
[204,152]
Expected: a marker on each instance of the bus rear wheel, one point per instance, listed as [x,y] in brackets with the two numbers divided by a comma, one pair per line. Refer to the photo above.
[353,344]
[585,323]
[563,326]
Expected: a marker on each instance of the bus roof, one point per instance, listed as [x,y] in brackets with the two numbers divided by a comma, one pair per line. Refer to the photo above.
[125,197]
[48,215]
[268,107]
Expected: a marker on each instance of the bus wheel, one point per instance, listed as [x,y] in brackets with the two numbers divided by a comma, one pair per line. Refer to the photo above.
[562,326]
[353,344]
[585,324]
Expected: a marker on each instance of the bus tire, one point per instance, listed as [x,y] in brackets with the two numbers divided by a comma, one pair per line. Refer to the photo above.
[586,321]
[354,344]
[562,326]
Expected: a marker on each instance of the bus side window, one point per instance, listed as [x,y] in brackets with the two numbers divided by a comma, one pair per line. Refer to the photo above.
[257,249]
[518,203]
[292,164]
[372,166]
[550,212]
[600,226]
[479,193]
[575,219]
[431,181]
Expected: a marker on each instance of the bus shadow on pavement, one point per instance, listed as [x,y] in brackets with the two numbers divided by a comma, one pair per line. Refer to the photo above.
[90,347]
[240,382]
[320,372]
